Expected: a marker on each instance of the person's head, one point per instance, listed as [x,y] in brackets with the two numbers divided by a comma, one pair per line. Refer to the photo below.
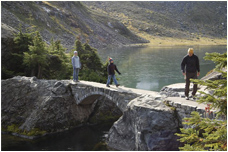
[75,53]
[190,52]
[111,60]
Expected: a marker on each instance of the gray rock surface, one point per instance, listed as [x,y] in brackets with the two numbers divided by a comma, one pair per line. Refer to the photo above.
[147,124]
[175,90]
[44,104]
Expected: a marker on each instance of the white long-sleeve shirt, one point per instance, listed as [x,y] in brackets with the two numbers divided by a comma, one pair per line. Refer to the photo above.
[76,62]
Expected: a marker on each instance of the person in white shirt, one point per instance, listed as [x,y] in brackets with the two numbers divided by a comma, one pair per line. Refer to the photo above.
[76,66]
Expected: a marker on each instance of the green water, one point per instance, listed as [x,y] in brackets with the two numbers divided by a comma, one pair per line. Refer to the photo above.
[151,68]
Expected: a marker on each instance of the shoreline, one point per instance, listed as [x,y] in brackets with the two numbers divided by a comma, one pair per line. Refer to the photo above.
[167,42]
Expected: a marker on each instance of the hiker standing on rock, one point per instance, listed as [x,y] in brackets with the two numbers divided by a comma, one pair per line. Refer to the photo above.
[76,66]
[111,73]
[191,69]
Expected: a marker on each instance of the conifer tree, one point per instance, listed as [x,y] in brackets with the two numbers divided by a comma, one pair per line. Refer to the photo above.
[59,65]
[204,133]
[21,45]
[36,58]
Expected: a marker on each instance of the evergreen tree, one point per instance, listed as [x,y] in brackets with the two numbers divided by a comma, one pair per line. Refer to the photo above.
[21,43]
[59,67]
[36,58]
[204,133]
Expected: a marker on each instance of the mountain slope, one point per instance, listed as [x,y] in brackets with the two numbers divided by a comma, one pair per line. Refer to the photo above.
[169,19]
[65,21]
[113,24]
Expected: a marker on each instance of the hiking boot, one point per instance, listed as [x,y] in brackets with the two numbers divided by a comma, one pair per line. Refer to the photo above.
[187,98]
[108,86]
[193,97]
[117,85]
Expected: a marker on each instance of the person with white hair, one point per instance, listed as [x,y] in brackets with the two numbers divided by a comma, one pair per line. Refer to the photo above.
[76,66]
[191,70]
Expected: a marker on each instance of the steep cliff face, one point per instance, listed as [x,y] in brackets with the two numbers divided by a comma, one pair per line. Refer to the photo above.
[65,21]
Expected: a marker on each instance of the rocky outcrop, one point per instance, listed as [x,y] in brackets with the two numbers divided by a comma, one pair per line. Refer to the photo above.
[147,124]
[214,75]
[47,105]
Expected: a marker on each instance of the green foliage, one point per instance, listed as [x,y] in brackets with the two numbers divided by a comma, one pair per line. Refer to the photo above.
[36,58]
[204,133]
[218,98]
[14,65]
[219,59]
[31,56]
[59,67]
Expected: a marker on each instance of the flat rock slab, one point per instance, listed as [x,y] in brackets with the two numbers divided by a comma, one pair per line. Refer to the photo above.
[183,101]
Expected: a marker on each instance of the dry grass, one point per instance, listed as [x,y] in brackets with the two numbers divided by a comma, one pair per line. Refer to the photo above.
[168,41]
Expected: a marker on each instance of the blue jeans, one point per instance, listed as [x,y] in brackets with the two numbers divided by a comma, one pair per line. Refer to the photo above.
[114,79]
[75,74]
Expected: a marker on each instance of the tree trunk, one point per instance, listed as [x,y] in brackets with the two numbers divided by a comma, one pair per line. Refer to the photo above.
[39,72]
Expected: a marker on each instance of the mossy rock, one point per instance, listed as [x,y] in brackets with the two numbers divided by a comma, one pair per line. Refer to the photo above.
[14,128]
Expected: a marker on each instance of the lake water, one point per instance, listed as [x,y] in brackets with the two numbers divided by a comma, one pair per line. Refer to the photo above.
[85,138]
[151,68]
[148,68]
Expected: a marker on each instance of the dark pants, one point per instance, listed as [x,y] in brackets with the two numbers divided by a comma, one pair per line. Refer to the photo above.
[188,77]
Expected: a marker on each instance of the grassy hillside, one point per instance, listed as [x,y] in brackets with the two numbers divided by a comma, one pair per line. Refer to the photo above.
[170,22]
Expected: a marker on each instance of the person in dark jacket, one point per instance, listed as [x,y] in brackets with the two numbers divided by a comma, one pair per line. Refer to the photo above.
[191,70]
[111,73]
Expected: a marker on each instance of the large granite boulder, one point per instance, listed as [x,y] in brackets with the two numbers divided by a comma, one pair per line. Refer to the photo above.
[147,124]
[47,105]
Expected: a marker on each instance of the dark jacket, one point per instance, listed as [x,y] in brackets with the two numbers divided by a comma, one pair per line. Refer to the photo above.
[190,64]
[111,69]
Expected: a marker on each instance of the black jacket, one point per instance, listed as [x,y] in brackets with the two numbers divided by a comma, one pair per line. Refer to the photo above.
[190,64]
[111,69]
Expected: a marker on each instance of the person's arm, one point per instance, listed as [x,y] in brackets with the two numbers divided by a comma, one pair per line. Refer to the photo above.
[197,66]
[183,63]
[117,70]
[108,69]
[80,65]
[73,61]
